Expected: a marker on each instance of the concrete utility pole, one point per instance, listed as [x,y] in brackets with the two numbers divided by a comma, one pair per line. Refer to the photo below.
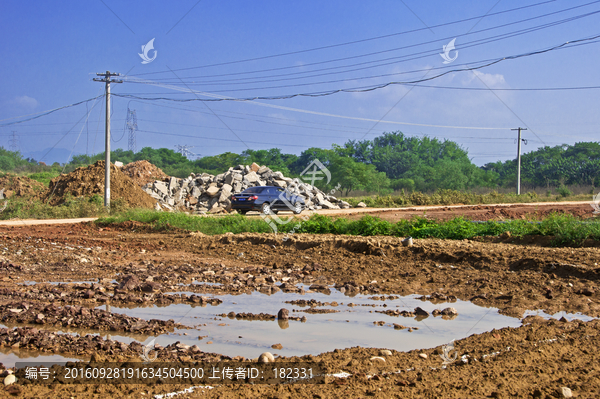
[107,80]
[519,159]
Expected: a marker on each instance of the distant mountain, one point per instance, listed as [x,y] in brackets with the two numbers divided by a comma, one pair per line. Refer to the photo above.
[49,156]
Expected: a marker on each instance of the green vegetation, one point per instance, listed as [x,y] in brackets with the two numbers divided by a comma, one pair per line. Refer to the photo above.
[20,208]
[566,229]
[389,163]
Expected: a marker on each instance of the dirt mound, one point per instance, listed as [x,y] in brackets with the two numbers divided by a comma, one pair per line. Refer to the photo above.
[142,172]
[86,181]
[20,186]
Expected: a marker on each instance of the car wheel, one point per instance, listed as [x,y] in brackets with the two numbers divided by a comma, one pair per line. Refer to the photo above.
[265,208]
[298,208]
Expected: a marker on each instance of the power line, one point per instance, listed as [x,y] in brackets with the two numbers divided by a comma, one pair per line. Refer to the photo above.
[423,53]
[44,113]
[360,89]
[354,41]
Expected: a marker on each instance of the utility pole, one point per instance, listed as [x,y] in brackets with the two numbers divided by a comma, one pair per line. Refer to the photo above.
[519,158]
[14,141]
[132,127]
[107,80]
[185,150]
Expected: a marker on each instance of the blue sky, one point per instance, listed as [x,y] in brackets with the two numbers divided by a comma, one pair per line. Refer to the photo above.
[236,49]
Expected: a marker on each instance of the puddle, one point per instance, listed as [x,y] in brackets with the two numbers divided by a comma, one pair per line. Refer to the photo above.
[9,357]
[351,326]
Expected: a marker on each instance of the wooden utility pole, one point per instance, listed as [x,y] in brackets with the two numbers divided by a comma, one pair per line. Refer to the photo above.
[519,159]
[107,80]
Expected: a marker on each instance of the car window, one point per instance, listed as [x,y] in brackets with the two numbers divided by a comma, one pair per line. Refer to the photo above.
[254,190]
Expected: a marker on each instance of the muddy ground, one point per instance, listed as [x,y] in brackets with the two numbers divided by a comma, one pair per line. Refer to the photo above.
[129,265]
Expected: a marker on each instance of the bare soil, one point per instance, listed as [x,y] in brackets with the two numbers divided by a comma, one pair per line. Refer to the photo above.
[532,361]
[89,180]
[529,211]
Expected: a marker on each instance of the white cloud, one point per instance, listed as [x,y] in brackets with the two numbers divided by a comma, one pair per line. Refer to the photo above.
[26,102]
[493,81]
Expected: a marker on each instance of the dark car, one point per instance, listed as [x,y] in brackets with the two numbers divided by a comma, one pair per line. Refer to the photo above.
[267,199]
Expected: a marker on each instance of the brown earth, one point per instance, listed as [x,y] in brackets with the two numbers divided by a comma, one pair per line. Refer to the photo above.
[142,172]
[89,180]
[533,361]
[530,211]
[20,186]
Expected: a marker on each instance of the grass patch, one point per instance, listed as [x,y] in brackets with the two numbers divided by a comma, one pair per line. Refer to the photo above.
[43,177]
[30,208]
[567,230]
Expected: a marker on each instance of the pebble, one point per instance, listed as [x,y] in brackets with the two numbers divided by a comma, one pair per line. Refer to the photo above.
[385,352]
[10,379]
[377,358]
[566,392]
[266,357]
[277,346]
[423,355]
[283,314]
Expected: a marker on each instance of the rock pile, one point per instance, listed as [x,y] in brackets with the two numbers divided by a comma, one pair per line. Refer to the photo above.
[206,193]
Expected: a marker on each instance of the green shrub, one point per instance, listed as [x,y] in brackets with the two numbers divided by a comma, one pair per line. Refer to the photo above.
[564,191]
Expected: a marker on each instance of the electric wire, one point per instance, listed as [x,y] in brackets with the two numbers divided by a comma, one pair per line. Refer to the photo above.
[355,41]
[425,53]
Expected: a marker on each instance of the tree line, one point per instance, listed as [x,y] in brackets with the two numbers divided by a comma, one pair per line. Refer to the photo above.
[389,162]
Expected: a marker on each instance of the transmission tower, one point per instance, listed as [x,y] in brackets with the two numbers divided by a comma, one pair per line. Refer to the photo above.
[132,127]
[13,142]
[185,150]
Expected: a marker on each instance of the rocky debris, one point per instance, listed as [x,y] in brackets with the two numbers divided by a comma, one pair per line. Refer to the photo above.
[317,311]
[283,314]
[311,303]
[81,317]
[385,352]
[423,355]
[94,293]
[89,180]
[258,316]
[436,297]
[248,316]
[97,347]
[266,357]
[143,172]
[447,313]
[405,313]
[20,186]
[205,193]
[383,298]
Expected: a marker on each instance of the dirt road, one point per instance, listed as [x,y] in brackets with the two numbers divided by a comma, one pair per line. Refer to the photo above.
[130,266]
